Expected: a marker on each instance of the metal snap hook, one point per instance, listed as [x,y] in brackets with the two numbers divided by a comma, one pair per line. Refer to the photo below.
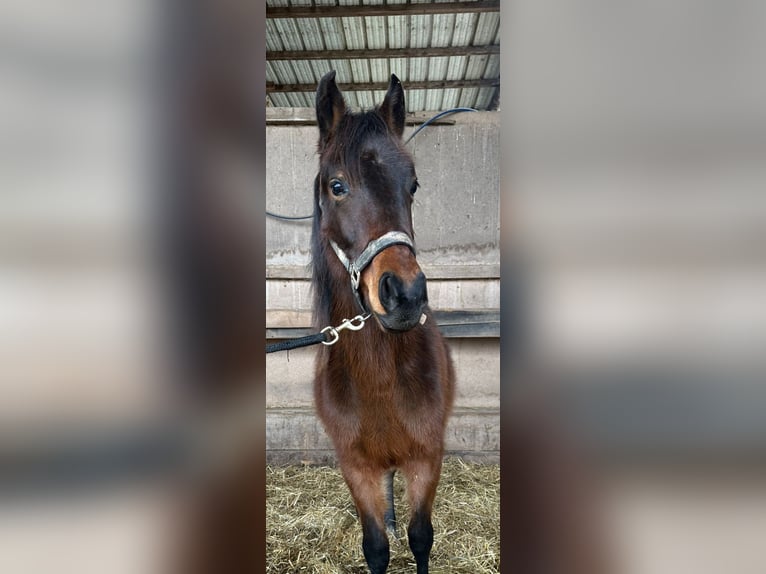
[354,324]
[359,322]
[335,335]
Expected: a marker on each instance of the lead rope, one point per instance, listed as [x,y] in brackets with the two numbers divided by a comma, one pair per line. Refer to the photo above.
[327,336]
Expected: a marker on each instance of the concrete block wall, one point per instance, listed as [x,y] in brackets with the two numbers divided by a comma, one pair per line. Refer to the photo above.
[456,218]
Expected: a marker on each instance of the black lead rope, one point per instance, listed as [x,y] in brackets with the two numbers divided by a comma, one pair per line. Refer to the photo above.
[436,117]
[306,341]
[288,217]
[327,336]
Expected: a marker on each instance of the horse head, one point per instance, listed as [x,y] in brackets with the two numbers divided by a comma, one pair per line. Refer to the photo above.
[363,196]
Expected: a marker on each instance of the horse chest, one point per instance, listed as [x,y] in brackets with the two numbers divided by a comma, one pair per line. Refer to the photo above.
[375,414]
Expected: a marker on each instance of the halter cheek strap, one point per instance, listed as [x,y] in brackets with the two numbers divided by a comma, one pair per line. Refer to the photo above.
[374,247]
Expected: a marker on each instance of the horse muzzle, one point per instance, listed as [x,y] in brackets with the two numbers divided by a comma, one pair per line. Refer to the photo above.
[403,301]
[395,284]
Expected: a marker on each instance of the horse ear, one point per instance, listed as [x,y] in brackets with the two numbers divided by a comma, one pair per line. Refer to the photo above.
[393,108]
[330,107]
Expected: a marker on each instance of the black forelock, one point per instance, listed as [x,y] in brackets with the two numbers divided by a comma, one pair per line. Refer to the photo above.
[352,137]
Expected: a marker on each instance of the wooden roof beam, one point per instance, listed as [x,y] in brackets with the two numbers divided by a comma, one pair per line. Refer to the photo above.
[271,87]
[385,53]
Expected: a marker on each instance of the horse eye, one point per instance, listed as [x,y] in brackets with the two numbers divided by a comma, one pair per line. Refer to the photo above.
[414,188]
[338,188]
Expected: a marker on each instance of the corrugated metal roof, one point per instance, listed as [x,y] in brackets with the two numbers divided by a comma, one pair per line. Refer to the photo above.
[446,53]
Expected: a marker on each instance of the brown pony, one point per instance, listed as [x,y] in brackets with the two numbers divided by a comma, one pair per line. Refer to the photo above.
[383,393]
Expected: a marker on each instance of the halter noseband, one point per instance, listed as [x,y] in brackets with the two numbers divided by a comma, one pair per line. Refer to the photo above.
[374,247]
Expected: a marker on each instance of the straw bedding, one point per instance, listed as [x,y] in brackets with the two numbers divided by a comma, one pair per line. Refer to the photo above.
[312,526]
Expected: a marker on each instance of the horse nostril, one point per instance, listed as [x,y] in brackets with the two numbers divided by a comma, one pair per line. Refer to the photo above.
[388,291]
[418,292]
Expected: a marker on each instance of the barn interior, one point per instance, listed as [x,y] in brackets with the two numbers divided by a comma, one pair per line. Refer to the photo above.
[593,242]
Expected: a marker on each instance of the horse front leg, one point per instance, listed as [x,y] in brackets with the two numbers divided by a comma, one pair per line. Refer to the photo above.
[422,480]
[371,506]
